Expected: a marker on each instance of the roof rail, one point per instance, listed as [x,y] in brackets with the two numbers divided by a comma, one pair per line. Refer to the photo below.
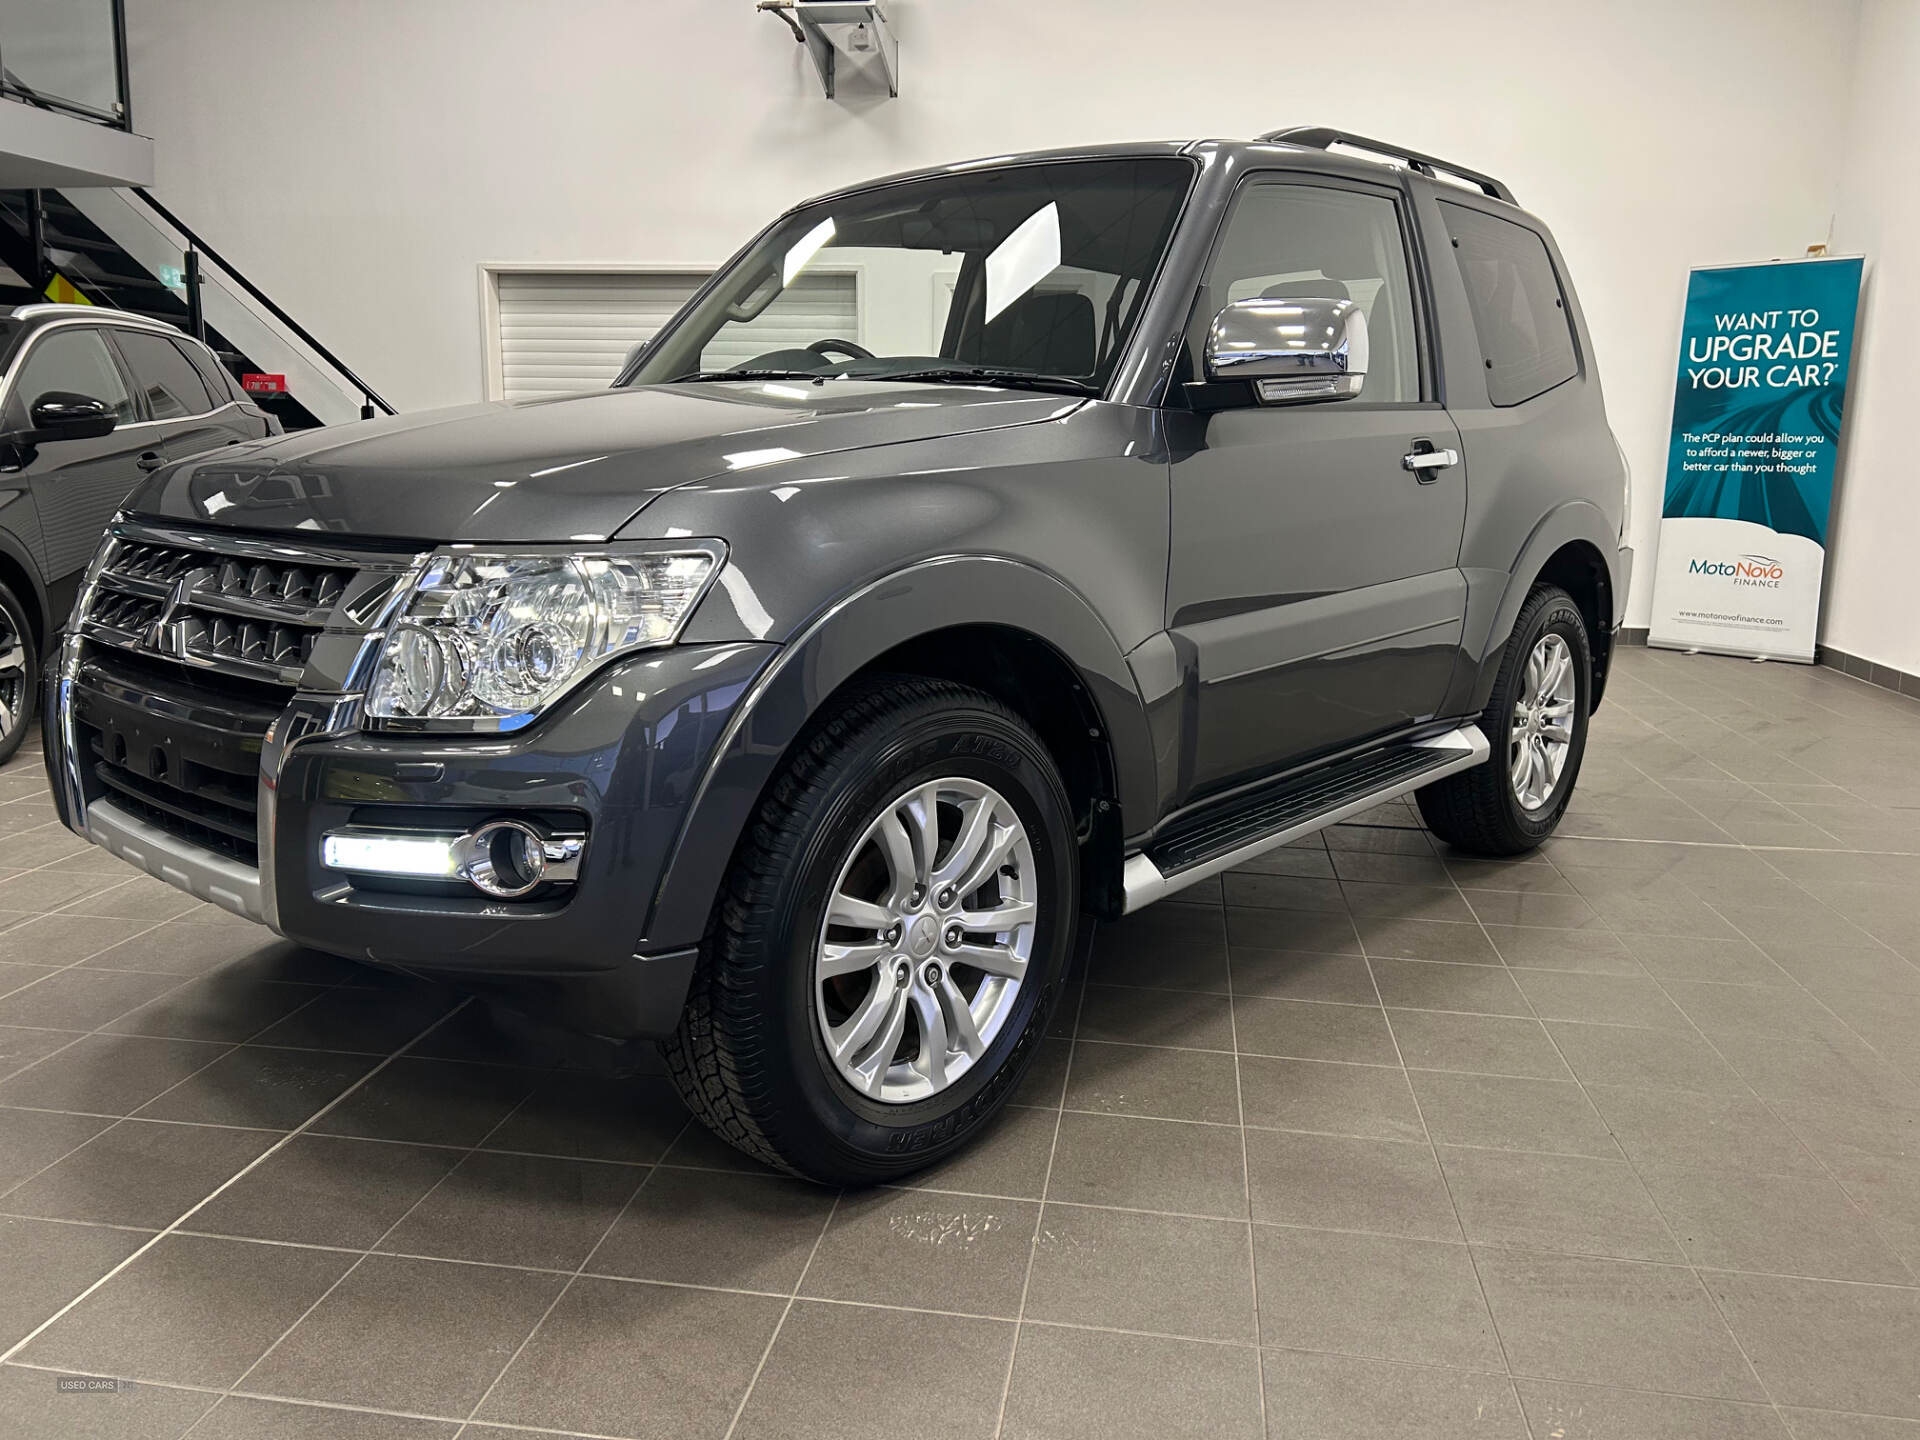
[1320,137]
[105,314]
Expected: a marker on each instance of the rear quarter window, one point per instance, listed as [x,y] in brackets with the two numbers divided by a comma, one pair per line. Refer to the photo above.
[1519,309]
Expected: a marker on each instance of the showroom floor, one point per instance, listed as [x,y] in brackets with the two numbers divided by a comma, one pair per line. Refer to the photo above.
[1622,1140]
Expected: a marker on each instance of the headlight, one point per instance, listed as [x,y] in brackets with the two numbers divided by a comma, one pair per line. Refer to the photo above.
[487,641]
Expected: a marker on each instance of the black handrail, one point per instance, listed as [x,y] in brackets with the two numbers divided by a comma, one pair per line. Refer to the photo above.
[265,302]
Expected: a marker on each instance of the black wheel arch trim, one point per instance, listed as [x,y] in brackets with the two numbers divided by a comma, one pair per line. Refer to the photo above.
[18,554]
[930,595]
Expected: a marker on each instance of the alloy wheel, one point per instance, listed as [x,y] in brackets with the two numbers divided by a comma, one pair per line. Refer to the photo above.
[14,679]
[926,940]
[1542,730]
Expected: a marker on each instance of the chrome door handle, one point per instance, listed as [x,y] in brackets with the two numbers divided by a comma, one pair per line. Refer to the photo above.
[1426,464]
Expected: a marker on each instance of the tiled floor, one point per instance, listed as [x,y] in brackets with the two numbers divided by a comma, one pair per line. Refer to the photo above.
[1622,1140]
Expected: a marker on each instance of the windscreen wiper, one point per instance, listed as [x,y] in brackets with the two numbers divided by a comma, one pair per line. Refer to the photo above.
[747,375]
[986,375]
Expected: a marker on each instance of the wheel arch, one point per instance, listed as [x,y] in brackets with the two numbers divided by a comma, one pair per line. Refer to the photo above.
[19,574]
[1003,626]
[1568,548]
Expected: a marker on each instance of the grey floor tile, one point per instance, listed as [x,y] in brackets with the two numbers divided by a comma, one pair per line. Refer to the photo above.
[140,898]
[1341,1397]
[34,1409]
[1091,1385]
[1127,1271]
[420,1335]
[326,1190]
[181,947]
[517,1210]
[240,1417]
[1782,1224]
[1437,985]
[374,1021]
[585,1117]
[1827,1345]
[1303,1030]
[1301,975]
[1828,1425]
[44,1264]
[430,1102]
[228,1004]
[1600,999]
[66,939]
[1149,1165]
[708,1227]
[15,977]
[1163,948]
[1406,939]
[1409,902]
[1716,1132]
[825,1353]
[31,1140]
[1366,1100]
[1284,892]
[1613,1322]
[1589,1412]
[81,999]
[928,1251]
[1529,908]
[1320,931]
[1842,1071]
[1480,1044]
[1660,1059]
[1391,869]
[1045,1080]
[1569,1203]
[654,1361]
[1507,1113]
[138,1172]
[1157,1017]
[21,1046]
[1736,961]
[1148,1080]
[1371,1295]
[107,1074]
[190,1311]
[1853,1138]
[258,1087]
[1009,1158]
[1781,1010]
[1391,1187]
[1590,951]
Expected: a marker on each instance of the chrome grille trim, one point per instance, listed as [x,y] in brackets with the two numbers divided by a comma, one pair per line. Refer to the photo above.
[241,605]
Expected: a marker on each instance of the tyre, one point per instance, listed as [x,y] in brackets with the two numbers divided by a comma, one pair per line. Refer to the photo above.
[1536,719]
[19,673]
[890,941]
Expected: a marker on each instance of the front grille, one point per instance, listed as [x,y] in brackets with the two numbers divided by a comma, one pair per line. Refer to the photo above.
[251,615]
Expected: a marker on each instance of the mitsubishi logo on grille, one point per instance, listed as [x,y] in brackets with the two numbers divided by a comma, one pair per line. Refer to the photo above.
[169,632]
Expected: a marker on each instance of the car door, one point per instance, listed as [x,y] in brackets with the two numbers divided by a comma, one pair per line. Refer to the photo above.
[191,418]
[1313,582]
[77,484]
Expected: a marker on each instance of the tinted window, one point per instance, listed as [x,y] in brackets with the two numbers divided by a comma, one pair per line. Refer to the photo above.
[1302,242]
[173,387]
[1526,337]
[70,359]
[220,385]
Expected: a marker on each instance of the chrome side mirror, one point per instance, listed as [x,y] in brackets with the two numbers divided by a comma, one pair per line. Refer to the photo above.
[1291,350]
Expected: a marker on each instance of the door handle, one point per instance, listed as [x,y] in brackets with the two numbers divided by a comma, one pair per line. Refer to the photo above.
[1425,462]
[151,460]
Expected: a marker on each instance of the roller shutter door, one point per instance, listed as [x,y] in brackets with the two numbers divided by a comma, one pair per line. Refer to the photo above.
[562,333]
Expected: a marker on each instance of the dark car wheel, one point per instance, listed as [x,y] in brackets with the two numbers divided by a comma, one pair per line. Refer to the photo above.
[1536,719]
[19,672]
[891,939]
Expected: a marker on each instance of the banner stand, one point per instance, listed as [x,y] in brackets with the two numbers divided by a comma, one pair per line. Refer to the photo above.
[1765,357]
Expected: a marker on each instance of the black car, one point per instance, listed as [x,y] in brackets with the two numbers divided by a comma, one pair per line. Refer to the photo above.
[792,701]
[91,401]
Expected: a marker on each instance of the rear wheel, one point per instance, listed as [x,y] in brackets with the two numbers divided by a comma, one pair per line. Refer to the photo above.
[19,672]
[891,939]
[1536,719]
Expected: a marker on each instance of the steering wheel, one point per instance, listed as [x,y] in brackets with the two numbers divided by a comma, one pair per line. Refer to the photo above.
[845,347]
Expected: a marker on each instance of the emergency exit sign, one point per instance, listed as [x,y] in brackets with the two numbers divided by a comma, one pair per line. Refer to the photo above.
[255,384]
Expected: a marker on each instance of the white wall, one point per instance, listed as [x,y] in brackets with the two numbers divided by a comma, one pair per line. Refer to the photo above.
[359,158]
[1870,610]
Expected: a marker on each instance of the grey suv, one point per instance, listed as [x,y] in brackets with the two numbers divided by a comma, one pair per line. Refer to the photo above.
[792,701]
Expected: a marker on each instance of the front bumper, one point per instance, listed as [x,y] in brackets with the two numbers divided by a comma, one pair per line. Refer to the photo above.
[621,759]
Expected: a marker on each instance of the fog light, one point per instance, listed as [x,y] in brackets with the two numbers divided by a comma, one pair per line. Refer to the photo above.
[502,858]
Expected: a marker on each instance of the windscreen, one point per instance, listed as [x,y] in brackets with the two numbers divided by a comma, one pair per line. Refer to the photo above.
[1024,274]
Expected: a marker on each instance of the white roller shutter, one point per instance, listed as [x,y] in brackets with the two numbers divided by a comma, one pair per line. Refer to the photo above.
[564,332]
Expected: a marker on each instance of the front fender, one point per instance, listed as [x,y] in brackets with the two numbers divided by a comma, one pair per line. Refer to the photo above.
[931,595]
[1497,596]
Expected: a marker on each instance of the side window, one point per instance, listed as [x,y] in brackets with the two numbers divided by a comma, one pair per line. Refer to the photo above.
[172,386]
[1297,241]
[220,385]
[71,359]
[1526,336]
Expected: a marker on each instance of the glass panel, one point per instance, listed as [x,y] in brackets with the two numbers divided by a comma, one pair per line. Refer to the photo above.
[1517,307]
[74,361]
[63,52]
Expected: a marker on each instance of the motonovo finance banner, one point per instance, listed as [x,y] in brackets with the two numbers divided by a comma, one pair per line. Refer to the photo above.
[1756,416]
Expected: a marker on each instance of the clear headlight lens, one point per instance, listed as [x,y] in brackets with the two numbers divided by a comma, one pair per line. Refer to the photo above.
[488,641]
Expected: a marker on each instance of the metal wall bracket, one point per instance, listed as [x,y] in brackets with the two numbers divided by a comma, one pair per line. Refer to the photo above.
[832,28]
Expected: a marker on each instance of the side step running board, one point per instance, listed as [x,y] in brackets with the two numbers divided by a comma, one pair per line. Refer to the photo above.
[1221,838]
